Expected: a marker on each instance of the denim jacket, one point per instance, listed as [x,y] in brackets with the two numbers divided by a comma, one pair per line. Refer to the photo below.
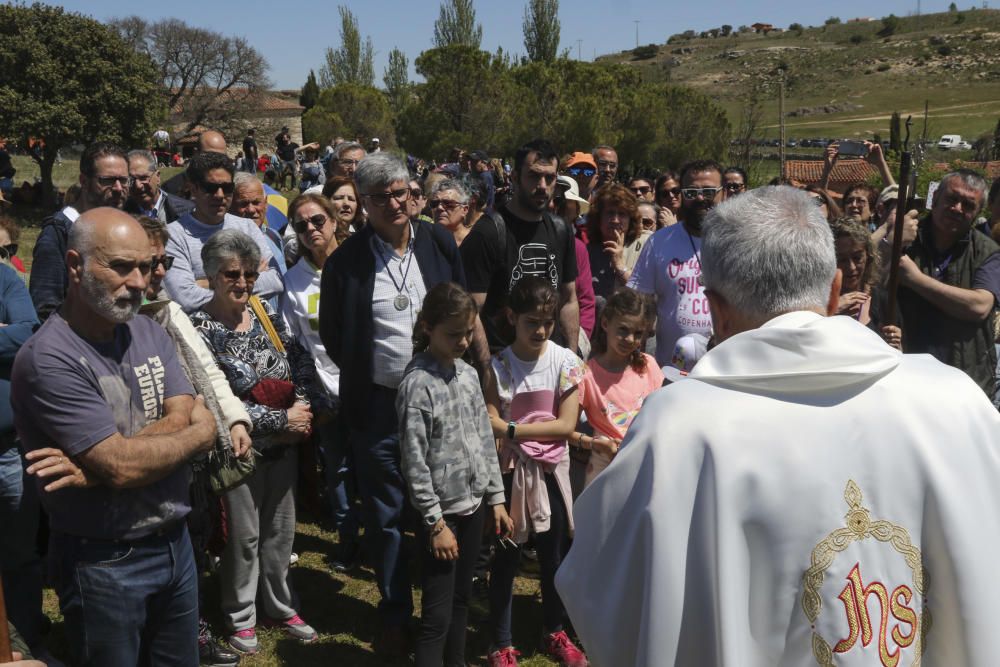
[448,454]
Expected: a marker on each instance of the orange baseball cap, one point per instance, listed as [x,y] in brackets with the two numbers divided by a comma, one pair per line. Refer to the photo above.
[579,158]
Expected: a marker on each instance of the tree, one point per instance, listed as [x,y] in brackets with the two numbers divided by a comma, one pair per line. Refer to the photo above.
[350,110]
[541,30]
[468,99]
[890,24]
[727,30]
[953,7]
[833,20]
[69,79]
[895,133]
[210,79]
[796,28]
[310,92]
[397,79]
[353,62]
[456,24]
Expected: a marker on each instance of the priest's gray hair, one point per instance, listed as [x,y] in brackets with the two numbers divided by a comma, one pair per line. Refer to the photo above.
[377,171]
[227,245]
[769,251]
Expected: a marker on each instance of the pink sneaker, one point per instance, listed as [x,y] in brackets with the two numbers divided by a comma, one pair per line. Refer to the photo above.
[505,657]
[244,641]
[294,627]
[559,647]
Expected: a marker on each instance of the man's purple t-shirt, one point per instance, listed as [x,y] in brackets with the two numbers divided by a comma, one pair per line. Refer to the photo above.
[71,393]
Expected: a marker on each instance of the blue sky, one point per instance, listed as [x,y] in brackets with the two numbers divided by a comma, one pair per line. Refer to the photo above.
[295,37]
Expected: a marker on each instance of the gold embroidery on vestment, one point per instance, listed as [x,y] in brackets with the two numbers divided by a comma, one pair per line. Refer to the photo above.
[860,526]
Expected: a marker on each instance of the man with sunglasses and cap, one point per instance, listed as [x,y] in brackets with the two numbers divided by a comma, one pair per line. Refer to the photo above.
[670,264]
[104,181]
[582,168]
[211,178]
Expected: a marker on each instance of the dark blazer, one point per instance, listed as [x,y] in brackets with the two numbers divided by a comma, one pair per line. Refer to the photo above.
[345,308]
[173,206]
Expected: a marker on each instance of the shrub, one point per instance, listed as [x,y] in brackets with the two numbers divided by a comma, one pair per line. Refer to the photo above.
[884,67]
[944,50]
[833,20]
[856,38]
[644,52]
[795,27]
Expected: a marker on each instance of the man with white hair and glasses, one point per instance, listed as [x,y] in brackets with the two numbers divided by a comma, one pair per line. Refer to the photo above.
[797,499]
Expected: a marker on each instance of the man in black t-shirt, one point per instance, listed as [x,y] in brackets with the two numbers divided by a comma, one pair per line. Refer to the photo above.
[285,150]
[528,242]
[250,151]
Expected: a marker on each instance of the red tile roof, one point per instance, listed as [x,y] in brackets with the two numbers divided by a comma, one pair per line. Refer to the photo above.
[266,102]
[845,172]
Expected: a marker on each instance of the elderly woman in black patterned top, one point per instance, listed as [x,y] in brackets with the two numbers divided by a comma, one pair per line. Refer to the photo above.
[276,380]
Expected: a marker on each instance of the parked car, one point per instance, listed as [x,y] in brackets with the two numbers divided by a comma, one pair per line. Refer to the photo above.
[953,142]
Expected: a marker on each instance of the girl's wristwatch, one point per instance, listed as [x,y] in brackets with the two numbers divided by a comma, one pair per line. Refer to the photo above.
[510,430]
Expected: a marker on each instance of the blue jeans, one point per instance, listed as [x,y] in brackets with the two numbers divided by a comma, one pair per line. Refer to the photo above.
[339,473]
[128,603]
[383,504]
[20,564]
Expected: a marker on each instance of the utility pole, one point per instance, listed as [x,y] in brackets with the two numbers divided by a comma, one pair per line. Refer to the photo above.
[579,49]
[636,33]
[781,122]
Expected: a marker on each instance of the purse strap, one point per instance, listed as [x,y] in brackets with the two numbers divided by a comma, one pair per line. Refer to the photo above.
[265,323]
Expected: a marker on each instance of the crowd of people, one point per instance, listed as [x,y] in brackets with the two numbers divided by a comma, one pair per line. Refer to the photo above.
[464,352]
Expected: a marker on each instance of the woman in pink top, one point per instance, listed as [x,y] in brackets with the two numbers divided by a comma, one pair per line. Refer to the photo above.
[621,377]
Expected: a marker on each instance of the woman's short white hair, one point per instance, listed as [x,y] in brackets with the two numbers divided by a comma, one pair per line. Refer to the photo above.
[769,251]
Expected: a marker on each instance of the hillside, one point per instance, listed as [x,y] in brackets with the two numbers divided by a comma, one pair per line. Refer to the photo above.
[845,80]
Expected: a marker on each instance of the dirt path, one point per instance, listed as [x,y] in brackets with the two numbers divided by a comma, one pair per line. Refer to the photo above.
[881,117]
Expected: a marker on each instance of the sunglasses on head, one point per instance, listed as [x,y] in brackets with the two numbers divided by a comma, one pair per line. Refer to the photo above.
[235,274]
[581,171]
[707,193]
[212,188]
[166,260]
[301,225]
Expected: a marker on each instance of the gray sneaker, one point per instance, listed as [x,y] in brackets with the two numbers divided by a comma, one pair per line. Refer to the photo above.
[295,628]
[244,641]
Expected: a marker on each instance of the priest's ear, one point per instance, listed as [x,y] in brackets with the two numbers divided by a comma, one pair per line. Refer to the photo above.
[831,304]
[723,315]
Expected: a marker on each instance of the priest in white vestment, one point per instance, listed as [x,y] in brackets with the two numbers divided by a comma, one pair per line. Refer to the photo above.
[807,496]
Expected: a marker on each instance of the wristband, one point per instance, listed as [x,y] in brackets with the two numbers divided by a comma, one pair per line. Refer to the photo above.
[437,531]
[511,426]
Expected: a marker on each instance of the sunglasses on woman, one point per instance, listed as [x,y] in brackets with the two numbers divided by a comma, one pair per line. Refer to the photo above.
[234,275]
[301,225]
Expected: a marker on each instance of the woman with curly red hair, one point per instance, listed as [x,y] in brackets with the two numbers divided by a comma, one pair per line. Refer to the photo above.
[615,237]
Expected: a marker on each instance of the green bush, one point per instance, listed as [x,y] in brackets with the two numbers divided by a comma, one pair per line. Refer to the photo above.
[944,50]
[644,52]
[856,38]
[884,67]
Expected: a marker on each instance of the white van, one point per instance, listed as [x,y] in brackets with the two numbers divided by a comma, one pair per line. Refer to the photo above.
[953,142]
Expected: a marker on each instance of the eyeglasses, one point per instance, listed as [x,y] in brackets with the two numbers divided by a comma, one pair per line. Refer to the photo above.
[607,164]
[449,205]
[166,260]
[673,192]
[8,251]
[348,163]
[109,181]
[734,187]
[210,188]
[302,224]
[234,275]
[581,171]
[642,190]
[380,199]
[143,179]
[648,223]
[707,193]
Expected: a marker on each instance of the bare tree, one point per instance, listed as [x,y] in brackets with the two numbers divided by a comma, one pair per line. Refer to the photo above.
[456,24]
[541,30]
[210,79]
[741,149]
[353,61]
[397,79]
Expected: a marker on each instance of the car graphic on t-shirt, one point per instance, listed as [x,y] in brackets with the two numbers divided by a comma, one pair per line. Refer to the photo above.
[534,259]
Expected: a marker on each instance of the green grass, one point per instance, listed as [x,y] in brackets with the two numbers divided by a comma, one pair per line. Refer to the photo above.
[823,67]
[342,608]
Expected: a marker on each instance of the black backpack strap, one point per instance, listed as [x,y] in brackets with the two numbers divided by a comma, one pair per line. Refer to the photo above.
[501,226]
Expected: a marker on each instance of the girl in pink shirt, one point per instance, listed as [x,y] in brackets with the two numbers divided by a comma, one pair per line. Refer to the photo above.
[621,377]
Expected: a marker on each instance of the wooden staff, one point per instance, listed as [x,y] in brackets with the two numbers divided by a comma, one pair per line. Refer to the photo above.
[5,654]
[905,166]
